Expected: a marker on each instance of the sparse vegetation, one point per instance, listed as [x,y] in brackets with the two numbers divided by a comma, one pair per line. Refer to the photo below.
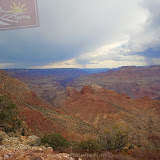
[89,145]
[8,115]
[86,117]
[147,154]
[6,109]
[154,141]
[56,141]
[9,120]
[113,139]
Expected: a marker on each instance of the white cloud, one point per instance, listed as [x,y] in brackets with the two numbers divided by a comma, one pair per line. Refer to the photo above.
[110,56]
[92,22]
[156,61]
[149,35]
[6,65]
[71,63]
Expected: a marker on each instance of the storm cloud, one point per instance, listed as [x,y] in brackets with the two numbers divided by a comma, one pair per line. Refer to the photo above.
[86,34]
[147,41]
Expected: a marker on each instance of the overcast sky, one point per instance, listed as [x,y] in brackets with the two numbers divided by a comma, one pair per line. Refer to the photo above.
[86,34]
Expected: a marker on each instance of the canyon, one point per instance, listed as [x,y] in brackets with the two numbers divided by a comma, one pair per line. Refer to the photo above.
[87,111]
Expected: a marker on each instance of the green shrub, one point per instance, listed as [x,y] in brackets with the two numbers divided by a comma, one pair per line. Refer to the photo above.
[113,139]
[56,141]
[8,115]
[89,145]
[74,146]
[7,109]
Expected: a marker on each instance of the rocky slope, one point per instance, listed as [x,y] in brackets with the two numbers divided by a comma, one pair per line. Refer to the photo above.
[47,82]
[27,148]
[84,114]
[136,82]
[42,82]
[38,115]
[104,109]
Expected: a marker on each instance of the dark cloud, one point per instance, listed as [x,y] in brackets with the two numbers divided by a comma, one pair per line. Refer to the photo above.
[147,42]
[150,53]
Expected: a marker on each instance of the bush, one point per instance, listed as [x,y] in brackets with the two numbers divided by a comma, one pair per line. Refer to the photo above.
[89,145]
[7,109]
[9,121]
[113,139]
[56,141]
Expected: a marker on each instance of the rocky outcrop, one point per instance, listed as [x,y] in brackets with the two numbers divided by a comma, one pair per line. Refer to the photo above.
[33,140]
[20,148]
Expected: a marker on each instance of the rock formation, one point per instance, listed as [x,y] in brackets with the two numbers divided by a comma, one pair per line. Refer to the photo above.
[136,82]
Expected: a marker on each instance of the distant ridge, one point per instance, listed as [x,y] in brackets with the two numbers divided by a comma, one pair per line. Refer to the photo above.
[136,82]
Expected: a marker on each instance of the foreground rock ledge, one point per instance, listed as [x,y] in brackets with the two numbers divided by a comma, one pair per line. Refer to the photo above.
[26,148]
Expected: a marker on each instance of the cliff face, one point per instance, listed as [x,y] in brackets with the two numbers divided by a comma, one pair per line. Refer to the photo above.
[17,90]
[136,82]
[46,82]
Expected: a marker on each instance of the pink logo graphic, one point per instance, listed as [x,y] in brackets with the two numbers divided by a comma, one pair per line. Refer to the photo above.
[16,14]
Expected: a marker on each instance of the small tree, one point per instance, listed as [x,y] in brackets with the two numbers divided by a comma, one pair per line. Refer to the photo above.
[56,141]
[89,145]
[9,121]
[113,139]
[7,109]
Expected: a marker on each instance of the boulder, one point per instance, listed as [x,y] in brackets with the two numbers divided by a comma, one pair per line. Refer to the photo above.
[96,86]
[11,141]
[33,140]
[3,135]
[48,150]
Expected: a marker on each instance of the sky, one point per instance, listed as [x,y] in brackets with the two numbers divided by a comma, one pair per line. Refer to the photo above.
[86,34]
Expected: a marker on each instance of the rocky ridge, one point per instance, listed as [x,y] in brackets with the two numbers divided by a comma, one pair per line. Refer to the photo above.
[136,82]
[104,109]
